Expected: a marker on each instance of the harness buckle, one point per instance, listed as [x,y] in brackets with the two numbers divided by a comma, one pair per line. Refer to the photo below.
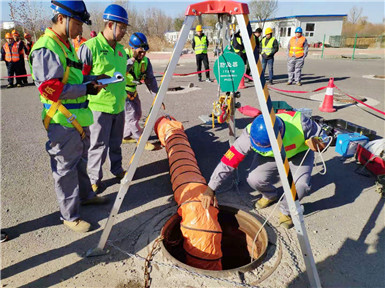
[71,119]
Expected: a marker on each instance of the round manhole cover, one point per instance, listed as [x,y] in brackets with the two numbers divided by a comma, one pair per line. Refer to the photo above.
[341,98]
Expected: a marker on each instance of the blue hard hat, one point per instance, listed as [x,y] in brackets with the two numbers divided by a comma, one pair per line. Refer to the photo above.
[258,134]
[73,9]
[116,13]
[138,40]
[298,30]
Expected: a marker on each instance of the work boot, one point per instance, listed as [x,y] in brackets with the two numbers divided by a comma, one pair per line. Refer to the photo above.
[299,83]
[149,146]
[78,225]
[200,79]
[289,83]
[129,140]
[121,175]
[97,200]
[264,202]
[271,82]
[209,80]
[19,85]
[9,86]
[98,188]
[285,221]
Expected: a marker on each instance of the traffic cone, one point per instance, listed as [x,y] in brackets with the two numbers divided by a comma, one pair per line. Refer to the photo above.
[242,84]
[327,104]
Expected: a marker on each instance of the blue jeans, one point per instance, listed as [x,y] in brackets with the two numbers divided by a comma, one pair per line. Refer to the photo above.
[271,64]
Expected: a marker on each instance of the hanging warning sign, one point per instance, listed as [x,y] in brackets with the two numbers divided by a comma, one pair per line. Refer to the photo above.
[229,69]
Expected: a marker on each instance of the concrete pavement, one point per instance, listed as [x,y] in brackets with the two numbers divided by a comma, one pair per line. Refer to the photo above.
[343,215]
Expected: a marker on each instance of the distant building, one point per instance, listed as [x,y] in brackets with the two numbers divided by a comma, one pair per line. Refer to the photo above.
[7,25]
[172,36]
[314,27]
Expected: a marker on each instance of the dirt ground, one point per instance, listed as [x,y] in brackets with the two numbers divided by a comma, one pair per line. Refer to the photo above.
[344,216]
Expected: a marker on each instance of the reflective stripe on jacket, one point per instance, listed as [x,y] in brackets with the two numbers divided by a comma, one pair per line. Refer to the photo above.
[200,44]
[296,46]
[12,55]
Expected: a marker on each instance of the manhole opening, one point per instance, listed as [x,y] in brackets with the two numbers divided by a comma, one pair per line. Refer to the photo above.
[178,88]
[379,76]
[239,229]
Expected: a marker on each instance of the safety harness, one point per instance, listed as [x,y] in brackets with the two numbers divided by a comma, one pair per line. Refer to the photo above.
[55,106]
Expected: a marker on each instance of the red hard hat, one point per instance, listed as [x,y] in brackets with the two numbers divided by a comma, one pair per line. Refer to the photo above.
[15,33]
[26,35]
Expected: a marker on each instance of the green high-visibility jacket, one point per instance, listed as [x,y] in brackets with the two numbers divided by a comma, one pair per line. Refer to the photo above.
[200,44]
[137,71]
[294,138]
[83,115]
[267,49]
[106,60]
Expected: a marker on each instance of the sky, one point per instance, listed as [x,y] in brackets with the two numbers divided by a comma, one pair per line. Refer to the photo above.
[374,10]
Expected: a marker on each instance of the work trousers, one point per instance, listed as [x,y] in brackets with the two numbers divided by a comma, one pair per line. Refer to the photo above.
[68,154]
[205,59]
[133,113]
[106,136]
[12,71]
[22,71]
[264,173]
[270,63]
[294,68]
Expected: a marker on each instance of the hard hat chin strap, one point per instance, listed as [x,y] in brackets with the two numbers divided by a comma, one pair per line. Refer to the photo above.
[68,26]
[114,31]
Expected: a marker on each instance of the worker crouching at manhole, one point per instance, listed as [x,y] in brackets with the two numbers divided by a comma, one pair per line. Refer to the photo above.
[295,129]
[139,69]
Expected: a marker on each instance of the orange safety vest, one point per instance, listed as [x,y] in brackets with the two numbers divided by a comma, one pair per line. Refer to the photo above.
[296,46]
[77,43]
[12,55]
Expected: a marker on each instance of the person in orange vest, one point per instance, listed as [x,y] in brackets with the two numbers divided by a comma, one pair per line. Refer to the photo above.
[297,52]
[79,40]
[20,64]
[28,43]
[10,54]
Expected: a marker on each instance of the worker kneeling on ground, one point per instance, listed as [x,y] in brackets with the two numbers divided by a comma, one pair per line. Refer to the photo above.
[295,129]
[139,69]
[57,73]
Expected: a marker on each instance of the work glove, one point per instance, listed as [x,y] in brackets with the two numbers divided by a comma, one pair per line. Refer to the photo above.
[208,197]
[315,142]
[102,76]
[93,88]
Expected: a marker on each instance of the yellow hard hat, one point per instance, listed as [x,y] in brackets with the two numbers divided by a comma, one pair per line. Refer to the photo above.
[268,31]
[198,28]
[8,36]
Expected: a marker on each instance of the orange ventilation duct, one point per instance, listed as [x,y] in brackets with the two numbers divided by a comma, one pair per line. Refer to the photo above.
[200,228]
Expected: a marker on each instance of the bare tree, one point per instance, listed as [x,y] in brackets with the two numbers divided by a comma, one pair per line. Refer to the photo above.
[355,14]
[262,10]
[28,14]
